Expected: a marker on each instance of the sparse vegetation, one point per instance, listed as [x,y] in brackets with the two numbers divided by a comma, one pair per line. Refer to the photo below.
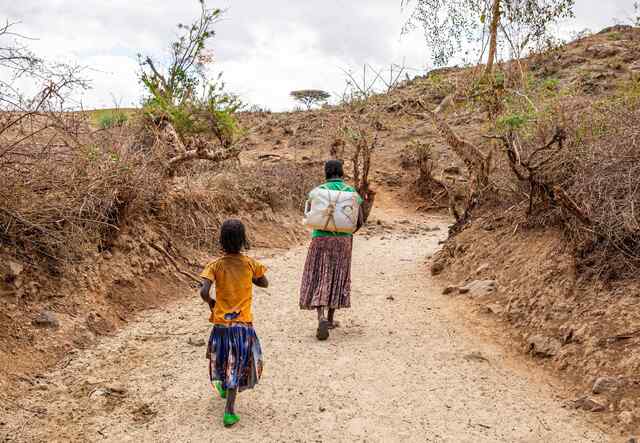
[185,106]
[545,145]
[112,119]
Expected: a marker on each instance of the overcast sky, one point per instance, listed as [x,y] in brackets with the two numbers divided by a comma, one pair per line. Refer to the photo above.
[264,48]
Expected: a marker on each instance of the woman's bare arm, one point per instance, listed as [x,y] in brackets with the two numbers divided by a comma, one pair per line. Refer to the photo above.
[360,222]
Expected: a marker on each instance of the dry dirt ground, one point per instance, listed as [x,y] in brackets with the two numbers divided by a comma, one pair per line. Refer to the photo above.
[404,366]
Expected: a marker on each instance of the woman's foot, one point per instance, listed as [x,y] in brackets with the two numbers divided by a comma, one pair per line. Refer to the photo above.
[323,330]
[220,389]
[334,324]
[230,419]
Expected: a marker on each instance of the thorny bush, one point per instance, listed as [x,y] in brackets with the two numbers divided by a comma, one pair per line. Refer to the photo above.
[588,182]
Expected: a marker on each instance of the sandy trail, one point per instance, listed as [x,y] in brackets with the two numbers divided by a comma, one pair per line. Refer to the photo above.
[401,368]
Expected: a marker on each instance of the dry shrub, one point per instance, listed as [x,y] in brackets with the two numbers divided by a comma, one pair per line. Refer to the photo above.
[59,201]
[198,204]
[426,184]
[588,181]
[606,187]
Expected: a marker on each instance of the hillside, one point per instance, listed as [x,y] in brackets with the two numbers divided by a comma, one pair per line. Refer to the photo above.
[561,299]
[557,301]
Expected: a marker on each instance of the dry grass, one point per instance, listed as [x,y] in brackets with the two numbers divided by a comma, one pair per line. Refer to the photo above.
[198,204]
[60,199]
[605,184]
[67,191]
[589,183]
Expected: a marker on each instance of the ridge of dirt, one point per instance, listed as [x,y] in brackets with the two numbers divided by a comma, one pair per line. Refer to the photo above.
[588,331]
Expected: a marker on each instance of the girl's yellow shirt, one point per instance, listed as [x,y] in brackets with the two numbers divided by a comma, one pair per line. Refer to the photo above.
[233,276]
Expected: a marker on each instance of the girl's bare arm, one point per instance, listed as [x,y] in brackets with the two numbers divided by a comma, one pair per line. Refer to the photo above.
[261,282]
[205,287]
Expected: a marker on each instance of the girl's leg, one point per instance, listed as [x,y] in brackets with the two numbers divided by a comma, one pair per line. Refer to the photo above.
[230,417]
[231,401]
[321,313]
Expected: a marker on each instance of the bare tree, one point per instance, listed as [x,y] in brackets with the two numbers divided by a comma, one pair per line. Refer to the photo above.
[371,81]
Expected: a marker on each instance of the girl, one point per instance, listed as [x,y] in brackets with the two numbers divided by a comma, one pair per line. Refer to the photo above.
[235,357]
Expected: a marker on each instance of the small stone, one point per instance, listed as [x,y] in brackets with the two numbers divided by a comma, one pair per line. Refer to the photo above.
[589,404]
[437,268]
[479,288]
[477,357]
[322,409]
[450,290]
[605,384]
[117,389]
[626,417]
[100,392]
[452,170]
[15,268]
[543,347]
[390,298]
[197,342]
[46,319]
[494,308]
[632,440]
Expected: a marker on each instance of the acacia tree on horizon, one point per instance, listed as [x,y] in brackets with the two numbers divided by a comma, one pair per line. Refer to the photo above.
[310,97]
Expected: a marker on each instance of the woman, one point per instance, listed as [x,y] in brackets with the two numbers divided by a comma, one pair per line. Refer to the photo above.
[326,282]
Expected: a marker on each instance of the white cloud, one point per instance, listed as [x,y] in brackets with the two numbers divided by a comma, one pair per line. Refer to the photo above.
[265,49]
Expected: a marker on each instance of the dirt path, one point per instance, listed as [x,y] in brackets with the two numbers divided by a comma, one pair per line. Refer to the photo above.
[401,368]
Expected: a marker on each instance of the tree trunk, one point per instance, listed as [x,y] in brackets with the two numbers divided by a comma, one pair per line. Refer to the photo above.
[493,35]
[476,162]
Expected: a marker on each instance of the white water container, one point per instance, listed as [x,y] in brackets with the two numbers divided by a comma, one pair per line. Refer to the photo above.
[333,211]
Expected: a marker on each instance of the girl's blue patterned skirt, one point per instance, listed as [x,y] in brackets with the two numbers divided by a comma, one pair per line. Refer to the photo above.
[235,356]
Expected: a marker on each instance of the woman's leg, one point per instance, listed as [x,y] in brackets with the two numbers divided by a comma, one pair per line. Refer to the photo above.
[332,323]
[323,325]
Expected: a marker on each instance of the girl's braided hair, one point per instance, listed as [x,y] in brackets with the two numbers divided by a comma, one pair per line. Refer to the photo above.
[233,237]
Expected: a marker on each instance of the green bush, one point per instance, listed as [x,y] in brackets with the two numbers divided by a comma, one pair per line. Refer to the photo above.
[512,121]
[112,119]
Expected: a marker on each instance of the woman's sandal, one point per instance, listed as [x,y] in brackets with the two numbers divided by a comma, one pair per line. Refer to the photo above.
[220,389]
[323,330]
[230,419]
[334,324]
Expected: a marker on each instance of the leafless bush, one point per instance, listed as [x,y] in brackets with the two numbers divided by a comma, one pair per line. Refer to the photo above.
[359,133]
[63,186]
[581,171]
[199,204]
[606,188]
[61,204]
[427,185]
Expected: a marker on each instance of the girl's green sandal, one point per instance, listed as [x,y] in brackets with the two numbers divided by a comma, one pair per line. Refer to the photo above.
[220,389]
[230,419]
